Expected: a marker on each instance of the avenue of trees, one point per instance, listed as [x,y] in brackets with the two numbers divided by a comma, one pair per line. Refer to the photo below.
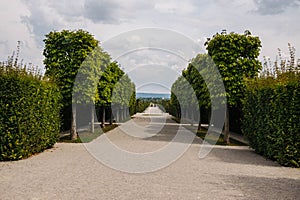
[77,54]
[263,98]
[236,58]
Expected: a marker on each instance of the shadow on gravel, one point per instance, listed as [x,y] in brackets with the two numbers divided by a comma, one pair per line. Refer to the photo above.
[241,155]
[167,133]
[266,188]
[228,154]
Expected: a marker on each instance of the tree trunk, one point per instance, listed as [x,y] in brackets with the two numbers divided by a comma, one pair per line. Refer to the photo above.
[118,115]
[110,116]
[226,128]
[186,115]
[92,118]
[123,113]
[199,125]
[73,130]
[103,117]
[192,116]
[128,113]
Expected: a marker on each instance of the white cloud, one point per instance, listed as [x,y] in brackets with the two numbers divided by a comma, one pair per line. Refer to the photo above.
[174,7]
[274,21]
[273,7]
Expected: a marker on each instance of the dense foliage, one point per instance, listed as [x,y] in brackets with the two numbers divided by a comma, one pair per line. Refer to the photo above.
[29,112]
[123,98]
[86,78]
[272,118]
[236,57]
[64,54]
[271,112]
[141,104]
[116,95]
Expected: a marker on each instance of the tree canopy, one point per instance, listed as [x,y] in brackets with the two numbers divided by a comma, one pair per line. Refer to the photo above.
[67,53]
[236,57]
[64,54]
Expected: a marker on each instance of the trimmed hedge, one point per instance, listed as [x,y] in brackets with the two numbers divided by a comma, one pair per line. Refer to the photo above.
[272,118]
[29,114]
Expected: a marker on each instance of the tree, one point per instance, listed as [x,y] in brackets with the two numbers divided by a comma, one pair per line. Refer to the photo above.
[85,90]
[132,101]
[183,98]
[122,94]
[199,88]
[235,56]
[198,65]
[106,84]
[64,53]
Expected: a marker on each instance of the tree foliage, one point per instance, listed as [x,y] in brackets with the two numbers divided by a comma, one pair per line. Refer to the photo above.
[236,57]
[116,90]
[109,78]
[64,53]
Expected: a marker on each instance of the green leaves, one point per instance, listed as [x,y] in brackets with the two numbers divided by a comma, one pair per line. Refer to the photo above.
[235,55]
[29,117]
[64,53]
[272,118]
[110,77]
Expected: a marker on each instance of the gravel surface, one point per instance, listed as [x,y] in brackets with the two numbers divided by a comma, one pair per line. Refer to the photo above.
[69,171]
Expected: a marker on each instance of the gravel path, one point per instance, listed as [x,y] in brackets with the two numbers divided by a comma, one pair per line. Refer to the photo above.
[69,171]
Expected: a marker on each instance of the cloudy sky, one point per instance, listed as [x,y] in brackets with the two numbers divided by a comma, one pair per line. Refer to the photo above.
[276,22]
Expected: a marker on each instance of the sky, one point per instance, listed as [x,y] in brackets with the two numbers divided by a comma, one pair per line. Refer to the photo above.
[174,28]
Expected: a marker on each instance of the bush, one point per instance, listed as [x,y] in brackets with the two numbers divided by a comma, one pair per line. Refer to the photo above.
[29,113]
[272,118]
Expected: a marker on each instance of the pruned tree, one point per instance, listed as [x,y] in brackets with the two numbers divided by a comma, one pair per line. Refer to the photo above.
[64,54]
[122,96]
[236,57]
[109,78]
[194,73]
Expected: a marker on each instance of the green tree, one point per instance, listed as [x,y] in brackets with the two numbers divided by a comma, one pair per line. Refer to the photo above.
[64,53]
[183,99]
[106,84]
[85,90]
[235,56]
[132,101]
[122,94]
[194,72]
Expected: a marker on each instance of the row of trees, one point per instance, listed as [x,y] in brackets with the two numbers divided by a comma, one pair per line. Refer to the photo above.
[235,56]
[86,76]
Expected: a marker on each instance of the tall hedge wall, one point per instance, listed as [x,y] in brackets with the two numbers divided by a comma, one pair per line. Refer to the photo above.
[272,118]
[29,114]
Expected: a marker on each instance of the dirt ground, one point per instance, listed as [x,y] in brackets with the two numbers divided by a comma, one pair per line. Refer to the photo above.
[70,171]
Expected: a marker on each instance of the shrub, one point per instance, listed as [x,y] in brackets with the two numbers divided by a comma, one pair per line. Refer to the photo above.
[29,113]
[272,117]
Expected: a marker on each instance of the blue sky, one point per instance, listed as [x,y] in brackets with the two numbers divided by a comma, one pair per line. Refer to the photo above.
[276,22]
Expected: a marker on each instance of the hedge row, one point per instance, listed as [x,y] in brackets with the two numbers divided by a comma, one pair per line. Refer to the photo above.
[29,114]
[272,118]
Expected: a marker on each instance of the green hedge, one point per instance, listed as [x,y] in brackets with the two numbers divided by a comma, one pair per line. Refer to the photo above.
[272,118]
[29,114]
